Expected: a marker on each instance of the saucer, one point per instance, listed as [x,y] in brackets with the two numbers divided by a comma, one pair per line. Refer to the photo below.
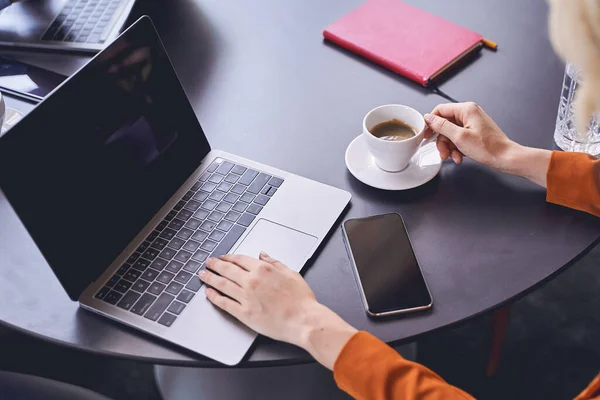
[10,119]
[422,168]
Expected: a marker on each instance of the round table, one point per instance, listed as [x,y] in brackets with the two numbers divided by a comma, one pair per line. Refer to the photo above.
[265,86]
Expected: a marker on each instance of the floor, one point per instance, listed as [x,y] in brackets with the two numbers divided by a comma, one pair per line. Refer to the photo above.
[552,350]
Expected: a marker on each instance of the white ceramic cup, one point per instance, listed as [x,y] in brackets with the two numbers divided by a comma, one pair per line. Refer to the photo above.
[393,155]
[2,111]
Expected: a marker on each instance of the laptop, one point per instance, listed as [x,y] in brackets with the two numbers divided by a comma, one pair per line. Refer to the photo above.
[75,25]
[118,186]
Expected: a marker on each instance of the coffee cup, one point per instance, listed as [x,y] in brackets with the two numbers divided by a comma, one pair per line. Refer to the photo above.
[394,155]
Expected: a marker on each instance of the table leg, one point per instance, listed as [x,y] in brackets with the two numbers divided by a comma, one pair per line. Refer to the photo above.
[499,327]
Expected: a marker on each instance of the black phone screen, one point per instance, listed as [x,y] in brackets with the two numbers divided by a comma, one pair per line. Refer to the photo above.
[386,264]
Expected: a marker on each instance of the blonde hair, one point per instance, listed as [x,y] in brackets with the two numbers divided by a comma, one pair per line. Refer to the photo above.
[575,34]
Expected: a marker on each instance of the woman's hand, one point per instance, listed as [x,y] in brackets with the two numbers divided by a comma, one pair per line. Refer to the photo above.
[466,130]
[276,302]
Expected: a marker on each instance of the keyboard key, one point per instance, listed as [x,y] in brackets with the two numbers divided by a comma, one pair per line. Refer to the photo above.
[176,243]
[238,169]
[140,285]
[176,224]
[213,167]
[223,207]
[260,181]
[232,178]
[113,280]
[194,284]
[224,225]
[168,234]
[192,266]
[179,205]
[208,245]
[209,205]
[174,288]
[217,196]
[216,216]
[201,196]
[165,277]
[248,177]
[228,241]
[240,206]
[192,205]
[183,277]
[159,243]
[217,235]
[199,236]
[193,224]
[112,297]
[122,286]
[188,195]
[143,246]
[153,235]
[208,226]
[171,215]
[150,274]
[162,225]
[216,178]
[143,304]
[132,258]
[246,219]
[200,255]
[183,256]
[174,266]
[275,182]
[159,264]
[141,264]
[185,296]
[176,307]
[156,288]
[167,319]
[261,199]
[254,209]
[191,245]
[128,300]
[124,268]
[232,216]
[102,293]
[238,189]
[150,254]
[265,189]
[224,168]
[208,187]
[185,233]
[204,177]
[231,198]
[271,191]
[224,186]
[196,186]
[159,306]
[247,197]
[184,215]
[168,253]
[201,214]
[132,275]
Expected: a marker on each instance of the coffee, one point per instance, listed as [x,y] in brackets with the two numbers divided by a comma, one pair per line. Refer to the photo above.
[393,130]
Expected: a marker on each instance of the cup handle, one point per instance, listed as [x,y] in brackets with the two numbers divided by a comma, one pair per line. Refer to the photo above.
[430,140]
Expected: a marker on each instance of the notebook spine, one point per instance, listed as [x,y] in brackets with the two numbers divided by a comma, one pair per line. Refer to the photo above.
[399,69]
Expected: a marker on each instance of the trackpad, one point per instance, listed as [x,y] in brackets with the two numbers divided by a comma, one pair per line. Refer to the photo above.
[287,245]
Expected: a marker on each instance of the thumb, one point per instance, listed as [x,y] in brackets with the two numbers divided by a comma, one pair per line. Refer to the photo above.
[443,126]
[265,257]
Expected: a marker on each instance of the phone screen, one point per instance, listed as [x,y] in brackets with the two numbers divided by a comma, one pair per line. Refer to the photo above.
[27,81]
[386,265]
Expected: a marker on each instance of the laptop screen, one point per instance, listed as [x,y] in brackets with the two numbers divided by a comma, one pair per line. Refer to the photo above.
[90,166]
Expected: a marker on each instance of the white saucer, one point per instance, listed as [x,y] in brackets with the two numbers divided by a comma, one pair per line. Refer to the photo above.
[423,167]
[10,119]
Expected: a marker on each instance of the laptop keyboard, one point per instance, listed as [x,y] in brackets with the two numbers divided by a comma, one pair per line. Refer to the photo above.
[160,278]
[85,21]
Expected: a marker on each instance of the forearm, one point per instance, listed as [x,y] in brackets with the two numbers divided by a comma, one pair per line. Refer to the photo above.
[527,162]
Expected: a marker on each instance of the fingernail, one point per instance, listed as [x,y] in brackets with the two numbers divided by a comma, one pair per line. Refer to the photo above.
[210,260]
[264,255]
[202,273]
[429,117]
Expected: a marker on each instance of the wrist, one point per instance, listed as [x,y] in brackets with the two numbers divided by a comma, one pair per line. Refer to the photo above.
[527,162]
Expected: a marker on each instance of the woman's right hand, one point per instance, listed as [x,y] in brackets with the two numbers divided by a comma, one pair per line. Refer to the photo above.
[466,130]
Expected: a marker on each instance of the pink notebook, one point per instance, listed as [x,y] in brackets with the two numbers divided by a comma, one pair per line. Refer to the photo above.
[404,39]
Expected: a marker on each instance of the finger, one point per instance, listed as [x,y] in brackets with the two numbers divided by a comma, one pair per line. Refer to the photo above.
[456,112]
[232,307]
[223,285]
[267,258]
[442,146]
[226,269]
[443,126]
[245,262]
[428,133]
[457,156]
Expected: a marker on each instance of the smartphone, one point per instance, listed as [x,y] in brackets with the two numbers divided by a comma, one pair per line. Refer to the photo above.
[386,268]
[27,82]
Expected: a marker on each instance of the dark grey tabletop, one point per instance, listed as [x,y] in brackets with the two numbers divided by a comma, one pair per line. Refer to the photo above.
[265,86]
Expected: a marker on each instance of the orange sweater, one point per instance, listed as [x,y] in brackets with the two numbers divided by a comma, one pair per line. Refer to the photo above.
[367,368]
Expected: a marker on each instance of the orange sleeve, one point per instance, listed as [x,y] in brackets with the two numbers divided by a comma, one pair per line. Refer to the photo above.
[573,181]
[367,368]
